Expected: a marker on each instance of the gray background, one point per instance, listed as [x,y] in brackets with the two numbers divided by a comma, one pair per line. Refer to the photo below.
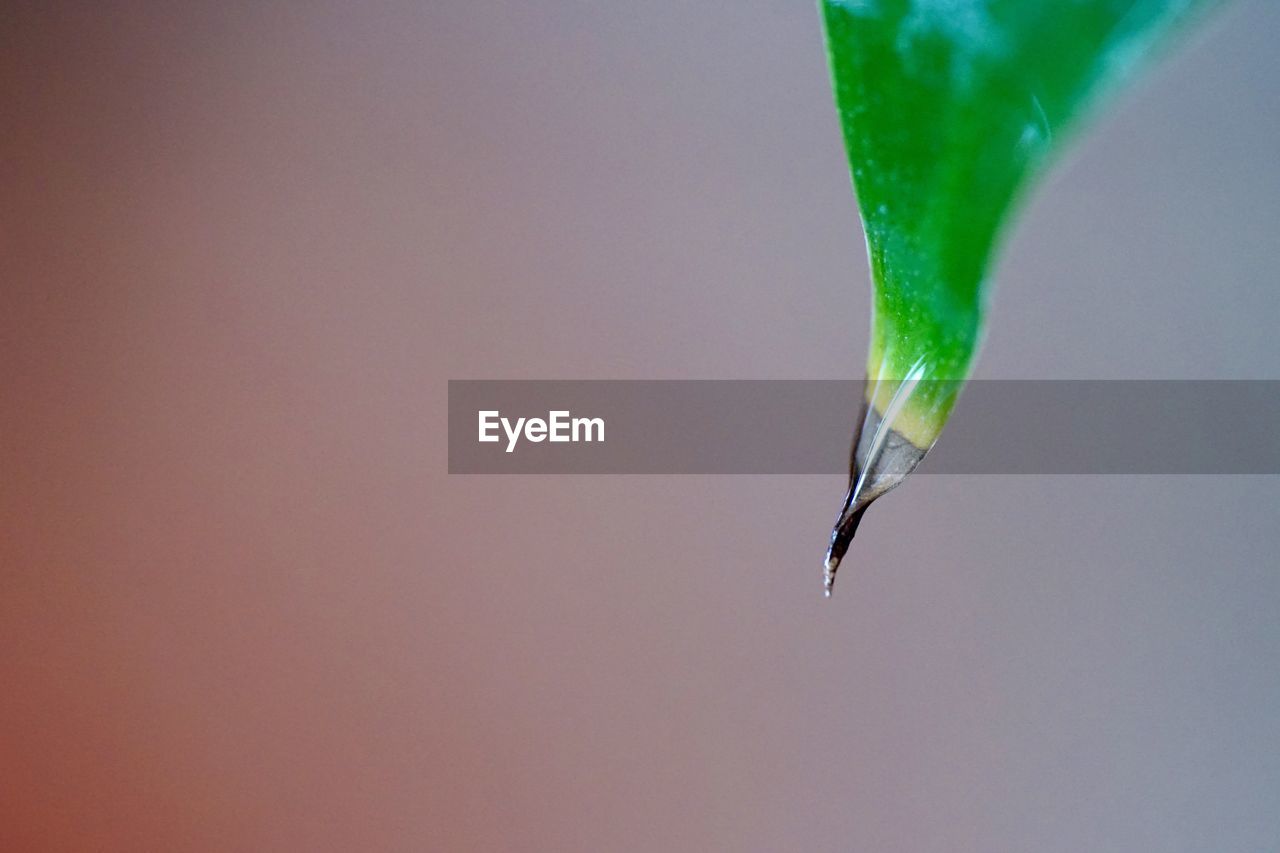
[243,246]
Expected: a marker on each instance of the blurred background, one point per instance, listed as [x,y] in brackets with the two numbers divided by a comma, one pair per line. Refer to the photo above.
[243,245]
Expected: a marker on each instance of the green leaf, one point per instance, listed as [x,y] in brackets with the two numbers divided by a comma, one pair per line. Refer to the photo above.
[950,109]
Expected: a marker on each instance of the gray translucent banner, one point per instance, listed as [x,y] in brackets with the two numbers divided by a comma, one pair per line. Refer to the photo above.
[805,427]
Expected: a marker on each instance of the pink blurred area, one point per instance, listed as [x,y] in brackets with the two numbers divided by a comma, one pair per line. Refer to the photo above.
[243,607]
